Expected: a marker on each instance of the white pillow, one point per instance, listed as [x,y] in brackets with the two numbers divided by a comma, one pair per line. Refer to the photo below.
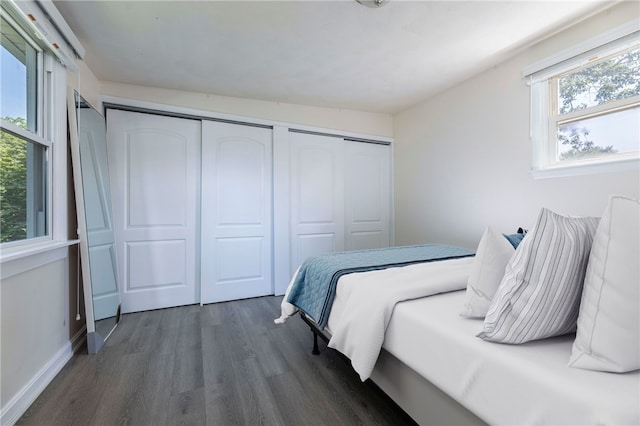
[608,337]
[492,256]
[539,295]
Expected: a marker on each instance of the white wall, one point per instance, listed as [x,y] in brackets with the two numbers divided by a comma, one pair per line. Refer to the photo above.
[86,83]
[38,304]
[34,320]
[369,123]
[38,327]
[462,158]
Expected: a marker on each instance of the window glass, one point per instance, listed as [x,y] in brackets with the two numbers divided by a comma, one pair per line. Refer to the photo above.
[615,78]
[23,188]
[615,133]
[594,115]
[19,77]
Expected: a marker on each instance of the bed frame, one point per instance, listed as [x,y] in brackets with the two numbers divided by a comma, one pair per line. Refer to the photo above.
[419,398]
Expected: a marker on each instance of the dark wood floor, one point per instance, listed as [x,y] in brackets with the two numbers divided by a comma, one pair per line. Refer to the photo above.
[219,364]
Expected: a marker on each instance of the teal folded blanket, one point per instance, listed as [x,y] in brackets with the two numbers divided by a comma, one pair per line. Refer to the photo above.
[314,289]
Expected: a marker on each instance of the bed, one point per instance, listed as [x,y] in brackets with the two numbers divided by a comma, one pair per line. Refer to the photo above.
[431,362]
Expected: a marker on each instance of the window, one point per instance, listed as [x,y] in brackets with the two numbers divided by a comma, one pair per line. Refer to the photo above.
[24,149]
[586,109]
[595,109]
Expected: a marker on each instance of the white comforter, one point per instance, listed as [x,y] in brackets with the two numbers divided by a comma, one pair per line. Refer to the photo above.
[369,299]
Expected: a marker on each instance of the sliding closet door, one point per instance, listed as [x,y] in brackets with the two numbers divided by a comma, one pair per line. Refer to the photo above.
[368,195]
[236,215]
[317,195]
[155,180]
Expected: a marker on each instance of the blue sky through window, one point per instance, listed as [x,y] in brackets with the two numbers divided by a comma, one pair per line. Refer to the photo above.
[13,76]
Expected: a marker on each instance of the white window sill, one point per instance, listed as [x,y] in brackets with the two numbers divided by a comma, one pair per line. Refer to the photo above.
[18,259]
[628,165]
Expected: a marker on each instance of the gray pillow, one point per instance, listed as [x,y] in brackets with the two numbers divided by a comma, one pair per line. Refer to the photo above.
[608,337]
[539,295]
[492,256]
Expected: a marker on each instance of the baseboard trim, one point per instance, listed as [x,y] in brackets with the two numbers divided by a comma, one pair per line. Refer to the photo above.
[19,404]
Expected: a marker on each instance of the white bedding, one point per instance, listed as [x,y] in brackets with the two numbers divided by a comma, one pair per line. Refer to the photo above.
[506,384]
[528,384]
[371,297]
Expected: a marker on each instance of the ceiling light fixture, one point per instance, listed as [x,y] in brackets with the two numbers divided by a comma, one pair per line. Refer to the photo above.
[372,3]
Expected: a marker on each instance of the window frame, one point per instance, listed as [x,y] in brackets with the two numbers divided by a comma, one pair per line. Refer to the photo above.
[39,86]
[41,136]
[27,136]
[542,79]
[51,132]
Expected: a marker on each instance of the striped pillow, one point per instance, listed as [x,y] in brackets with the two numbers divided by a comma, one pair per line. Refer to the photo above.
[539,295]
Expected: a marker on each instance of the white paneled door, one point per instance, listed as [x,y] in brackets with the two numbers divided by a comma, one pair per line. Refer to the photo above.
[368,195]
[236,223]
[317,196]
[155,180]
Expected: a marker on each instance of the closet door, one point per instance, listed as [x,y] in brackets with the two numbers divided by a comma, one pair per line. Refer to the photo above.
[155,181]
[236,212]
[367,195]
[317,196]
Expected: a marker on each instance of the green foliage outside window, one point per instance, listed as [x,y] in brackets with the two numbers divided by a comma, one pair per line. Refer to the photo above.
[617,78]
[13,184]
[610,80]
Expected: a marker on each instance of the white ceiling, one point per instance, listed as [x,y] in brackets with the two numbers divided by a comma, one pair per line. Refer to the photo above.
[325,53]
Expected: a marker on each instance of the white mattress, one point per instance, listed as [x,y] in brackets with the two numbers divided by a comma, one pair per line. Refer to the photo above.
[504,384]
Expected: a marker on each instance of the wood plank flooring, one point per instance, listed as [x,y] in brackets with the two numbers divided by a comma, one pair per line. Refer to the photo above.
[219,364]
